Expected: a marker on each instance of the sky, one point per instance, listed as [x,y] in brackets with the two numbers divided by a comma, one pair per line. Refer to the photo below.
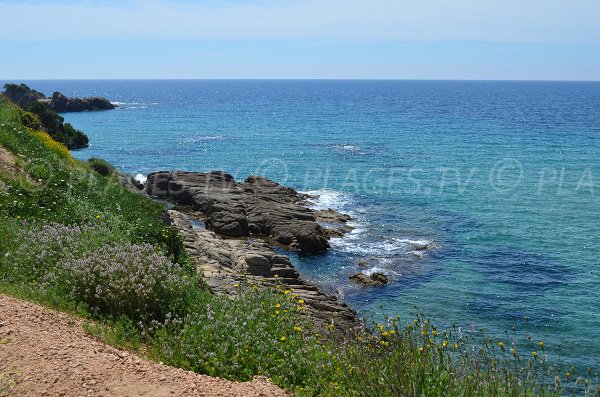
[312,39]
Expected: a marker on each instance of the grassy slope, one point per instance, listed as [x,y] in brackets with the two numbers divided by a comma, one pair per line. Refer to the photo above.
[259,333]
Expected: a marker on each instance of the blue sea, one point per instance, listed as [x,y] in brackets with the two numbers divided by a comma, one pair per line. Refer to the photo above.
[480,200]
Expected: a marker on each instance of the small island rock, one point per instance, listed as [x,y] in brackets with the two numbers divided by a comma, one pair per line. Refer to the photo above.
[373,280]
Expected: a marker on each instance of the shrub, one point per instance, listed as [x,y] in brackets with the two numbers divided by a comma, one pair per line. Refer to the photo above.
[54,125]
[77,262]
[129,280]
[30,121]
[256,333]
[101,166]
[38,251]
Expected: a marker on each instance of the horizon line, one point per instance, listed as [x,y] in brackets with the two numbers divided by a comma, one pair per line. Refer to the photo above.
[298,79]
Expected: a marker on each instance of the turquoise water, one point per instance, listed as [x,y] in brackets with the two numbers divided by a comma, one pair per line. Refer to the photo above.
[501,180]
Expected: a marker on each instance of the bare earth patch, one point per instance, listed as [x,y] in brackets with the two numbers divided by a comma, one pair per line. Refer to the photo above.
[55,357]
[7,163]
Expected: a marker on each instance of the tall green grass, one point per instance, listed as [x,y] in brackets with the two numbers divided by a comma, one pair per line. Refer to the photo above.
[76,240]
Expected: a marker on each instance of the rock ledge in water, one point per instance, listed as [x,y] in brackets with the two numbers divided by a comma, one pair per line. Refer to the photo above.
[255,207]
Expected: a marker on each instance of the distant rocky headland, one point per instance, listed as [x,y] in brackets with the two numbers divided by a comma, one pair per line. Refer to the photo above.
[62,104]
[47,109]
[23,96]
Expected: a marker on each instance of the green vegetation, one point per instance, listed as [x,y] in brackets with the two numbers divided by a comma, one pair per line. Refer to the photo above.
[7,380]
[47,119]
[73,238]
[101,166]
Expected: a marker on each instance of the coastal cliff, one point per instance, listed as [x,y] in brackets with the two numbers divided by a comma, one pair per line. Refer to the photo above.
[23,96]
[46,116]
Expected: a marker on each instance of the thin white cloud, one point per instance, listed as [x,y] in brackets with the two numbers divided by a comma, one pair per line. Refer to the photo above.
[557,21]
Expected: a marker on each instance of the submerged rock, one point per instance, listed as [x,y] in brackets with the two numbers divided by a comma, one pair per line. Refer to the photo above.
[373,280]
[379,278]
[62,104]
[362,263]
[257,206]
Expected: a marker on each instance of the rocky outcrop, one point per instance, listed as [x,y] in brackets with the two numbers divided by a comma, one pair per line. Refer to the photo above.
[23,96]
[228,226]
[255,207]
[224,262]
[62,104]
[373,280]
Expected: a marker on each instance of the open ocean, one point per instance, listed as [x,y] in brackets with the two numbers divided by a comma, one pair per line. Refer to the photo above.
[500,180]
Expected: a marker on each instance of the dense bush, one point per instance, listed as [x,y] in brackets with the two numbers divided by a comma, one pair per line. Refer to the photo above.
[75,261]
[129,280]
[38,251]
[54,124]
[256,333]
[42,117]
[101,166]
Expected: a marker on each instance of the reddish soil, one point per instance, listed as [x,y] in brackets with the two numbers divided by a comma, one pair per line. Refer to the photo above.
[48,353]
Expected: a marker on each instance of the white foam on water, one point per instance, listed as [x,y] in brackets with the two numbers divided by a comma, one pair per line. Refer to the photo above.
[348,148]
[356,242]
[140,178]
[375,269]
[324,199]
[204,138]
[117,103]
[377,249]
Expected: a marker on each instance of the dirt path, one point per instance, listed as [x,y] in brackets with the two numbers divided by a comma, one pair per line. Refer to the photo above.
[53,356]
